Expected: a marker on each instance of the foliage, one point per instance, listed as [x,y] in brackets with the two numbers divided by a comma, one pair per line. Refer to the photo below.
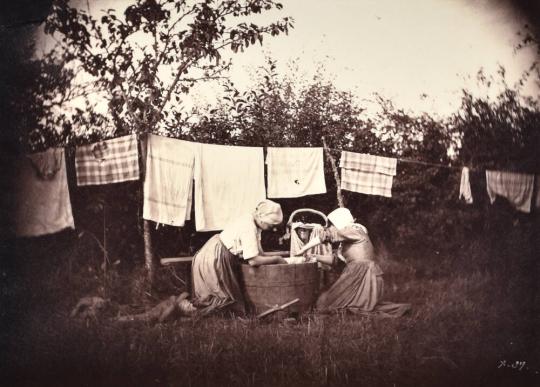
[145,58]
[501,132]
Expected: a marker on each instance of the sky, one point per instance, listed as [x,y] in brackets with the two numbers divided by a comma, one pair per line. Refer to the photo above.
[419,53]
[400,49]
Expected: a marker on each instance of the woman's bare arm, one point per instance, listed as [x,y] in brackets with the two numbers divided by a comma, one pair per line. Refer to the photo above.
[260,260]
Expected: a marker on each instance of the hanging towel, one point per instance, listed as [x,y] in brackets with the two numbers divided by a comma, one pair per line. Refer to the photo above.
[465,186]
[366,182]
[367,174]
[295,172]
[110,161]
[169,180]
[42,205]
[229,180]
[368,163]
[516,187]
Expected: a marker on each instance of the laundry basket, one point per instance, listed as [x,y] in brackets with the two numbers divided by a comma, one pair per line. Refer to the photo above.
[303,233]
[304,230]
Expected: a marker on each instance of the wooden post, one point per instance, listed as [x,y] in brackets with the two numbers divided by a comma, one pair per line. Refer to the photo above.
[336,173]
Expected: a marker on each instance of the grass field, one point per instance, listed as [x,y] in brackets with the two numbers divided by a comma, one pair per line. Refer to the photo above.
[475,322]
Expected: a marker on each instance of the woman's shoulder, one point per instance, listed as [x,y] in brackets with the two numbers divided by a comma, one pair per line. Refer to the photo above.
[354,232]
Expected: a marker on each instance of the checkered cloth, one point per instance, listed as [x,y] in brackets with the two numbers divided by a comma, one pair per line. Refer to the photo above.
[111,161]
[366,182]
[516,187]
[367,174]
[368,163]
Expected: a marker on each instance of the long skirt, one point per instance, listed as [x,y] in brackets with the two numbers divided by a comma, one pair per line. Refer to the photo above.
[216,279]
[359,289]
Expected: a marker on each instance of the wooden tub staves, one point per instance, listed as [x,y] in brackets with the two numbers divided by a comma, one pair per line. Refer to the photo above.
[270,285]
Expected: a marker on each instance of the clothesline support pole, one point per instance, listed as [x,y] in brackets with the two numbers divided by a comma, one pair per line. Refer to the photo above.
[336,173]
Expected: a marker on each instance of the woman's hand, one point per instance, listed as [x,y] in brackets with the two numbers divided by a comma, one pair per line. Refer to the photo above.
[300,252]
[311,257]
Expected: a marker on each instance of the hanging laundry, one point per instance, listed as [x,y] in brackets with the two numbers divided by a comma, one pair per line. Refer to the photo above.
[229,181]
[368,163]
[367,174]
[42,205]
[366,182]
[516,187]
[465,186]
[295,172]
[110,161]
[169,180]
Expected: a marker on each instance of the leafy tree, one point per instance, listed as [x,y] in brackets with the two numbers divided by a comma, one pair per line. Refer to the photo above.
[501,132]
[146,58]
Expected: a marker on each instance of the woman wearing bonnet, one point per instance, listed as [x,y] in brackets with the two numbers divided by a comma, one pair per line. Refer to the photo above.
[215,269]
[359,288]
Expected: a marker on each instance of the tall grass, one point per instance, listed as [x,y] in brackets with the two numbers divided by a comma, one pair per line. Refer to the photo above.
[470,313]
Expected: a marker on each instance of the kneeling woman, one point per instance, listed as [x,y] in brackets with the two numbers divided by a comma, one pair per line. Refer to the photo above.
[215,269]
[359,288]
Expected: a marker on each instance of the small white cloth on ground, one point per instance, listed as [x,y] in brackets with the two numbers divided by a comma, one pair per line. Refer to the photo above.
[465,186]
[42,204]
[229,180]
[516,187]
[168,182]
[295,172]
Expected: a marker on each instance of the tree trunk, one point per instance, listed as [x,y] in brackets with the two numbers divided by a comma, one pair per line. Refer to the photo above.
[148,252]
[336,173]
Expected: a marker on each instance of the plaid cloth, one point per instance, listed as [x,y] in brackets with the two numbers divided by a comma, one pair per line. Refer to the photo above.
[368,163]
[516,187]
[169,180]
[111,161]
[295,172]
[366,182]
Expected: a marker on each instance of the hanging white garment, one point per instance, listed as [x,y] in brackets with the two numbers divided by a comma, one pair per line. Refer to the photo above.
[42,203]
[465,186]
[295,172]
[516,187]
[229,180]
[168,183]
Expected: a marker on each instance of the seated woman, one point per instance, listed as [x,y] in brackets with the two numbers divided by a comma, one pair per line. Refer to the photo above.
[215,269]
[359,288]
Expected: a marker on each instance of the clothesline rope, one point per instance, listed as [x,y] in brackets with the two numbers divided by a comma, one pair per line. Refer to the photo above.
[400,159]
[405,160]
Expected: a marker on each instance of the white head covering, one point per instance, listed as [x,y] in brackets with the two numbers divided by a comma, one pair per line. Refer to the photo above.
[269,212]
[341,218]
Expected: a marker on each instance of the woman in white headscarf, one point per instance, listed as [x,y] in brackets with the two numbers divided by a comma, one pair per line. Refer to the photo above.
[215,269]
[359,288]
